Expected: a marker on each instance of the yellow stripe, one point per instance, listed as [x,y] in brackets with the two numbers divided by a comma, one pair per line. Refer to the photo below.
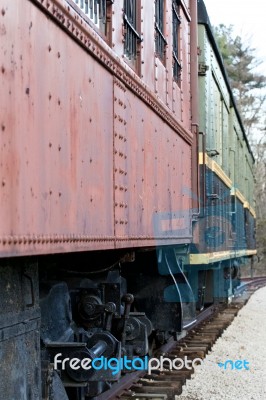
[208,160]
[252,212]
[215,168]
[240,196]
[225,178]
[251,209]
[222,175]
[208,258]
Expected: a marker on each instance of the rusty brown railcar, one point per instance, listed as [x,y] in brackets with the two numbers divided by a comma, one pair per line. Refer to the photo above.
[98,135]
[84,137]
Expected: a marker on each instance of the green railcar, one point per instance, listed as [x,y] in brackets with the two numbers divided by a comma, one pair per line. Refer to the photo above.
[224,233]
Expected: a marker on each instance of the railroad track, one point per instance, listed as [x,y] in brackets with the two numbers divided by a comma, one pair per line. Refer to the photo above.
[250,284]
[167,384]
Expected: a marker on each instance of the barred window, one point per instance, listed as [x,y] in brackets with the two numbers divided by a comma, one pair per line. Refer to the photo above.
[160,41]
[176,32]
[96,11]
[132,37]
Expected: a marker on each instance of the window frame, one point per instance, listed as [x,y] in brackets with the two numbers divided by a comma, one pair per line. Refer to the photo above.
[101,22]
[160,39]
[176,23]
[132,37]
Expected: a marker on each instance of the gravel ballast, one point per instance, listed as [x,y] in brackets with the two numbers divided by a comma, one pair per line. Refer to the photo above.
[244,339]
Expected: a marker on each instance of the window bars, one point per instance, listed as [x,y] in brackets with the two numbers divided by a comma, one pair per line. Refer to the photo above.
[95,10]
[160,41]
[132,37]
[176,24]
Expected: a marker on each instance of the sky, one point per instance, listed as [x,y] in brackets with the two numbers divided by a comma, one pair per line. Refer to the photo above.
[248,18]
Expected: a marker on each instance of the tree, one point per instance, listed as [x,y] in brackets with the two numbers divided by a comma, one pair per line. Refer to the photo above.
[247,84]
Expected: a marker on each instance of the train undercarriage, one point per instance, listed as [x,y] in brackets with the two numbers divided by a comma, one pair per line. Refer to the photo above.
[102,307]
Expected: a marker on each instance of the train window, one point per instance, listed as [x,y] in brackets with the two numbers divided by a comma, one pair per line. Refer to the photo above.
[176,31]
[160,41]
[98,11]
[131,25]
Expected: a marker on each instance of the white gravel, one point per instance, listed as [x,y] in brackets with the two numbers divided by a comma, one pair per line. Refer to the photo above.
[245,339]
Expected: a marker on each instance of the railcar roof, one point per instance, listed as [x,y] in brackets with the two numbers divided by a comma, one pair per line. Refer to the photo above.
[203,19]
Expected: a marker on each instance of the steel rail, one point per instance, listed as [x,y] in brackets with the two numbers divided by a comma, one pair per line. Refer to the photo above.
[203,321]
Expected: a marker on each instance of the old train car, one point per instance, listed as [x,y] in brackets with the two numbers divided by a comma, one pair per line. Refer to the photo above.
[97,139]
[227,216]
[107,207]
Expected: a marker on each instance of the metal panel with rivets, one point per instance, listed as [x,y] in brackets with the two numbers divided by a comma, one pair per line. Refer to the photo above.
[89,153]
